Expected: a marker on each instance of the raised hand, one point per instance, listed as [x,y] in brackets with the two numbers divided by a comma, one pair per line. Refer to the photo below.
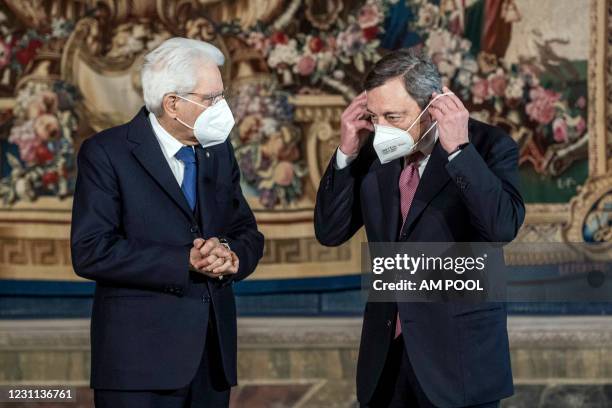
[354,128]
[452,119]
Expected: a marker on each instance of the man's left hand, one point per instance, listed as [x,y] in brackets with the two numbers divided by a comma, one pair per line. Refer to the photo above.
[452,119]
[217,260]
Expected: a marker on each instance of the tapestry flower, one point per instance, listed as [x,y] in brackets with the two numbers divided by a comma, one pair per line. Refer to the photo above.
[542,106]
[560,130]
[370,15]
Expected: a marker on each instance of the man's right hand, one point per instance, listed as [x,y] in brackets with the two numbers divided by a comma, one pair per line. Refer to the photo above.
[354,128]
[218,262]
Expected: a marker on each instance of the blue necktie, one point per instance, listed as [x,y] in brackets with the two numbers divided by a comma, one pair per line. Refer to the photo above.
[187,156]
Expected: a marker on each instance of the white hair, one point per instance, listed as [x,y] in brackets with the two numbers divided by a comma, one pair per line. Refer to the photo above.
[172,67]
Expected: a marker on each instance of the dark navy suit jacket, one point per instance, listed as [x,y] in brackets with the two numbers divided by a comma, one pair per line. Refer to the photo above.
[132,230]
[459,352]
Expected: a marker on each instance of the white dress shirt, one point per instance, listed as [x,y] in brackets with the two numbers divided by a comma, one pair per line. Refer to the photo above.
[170,146]
[426,147]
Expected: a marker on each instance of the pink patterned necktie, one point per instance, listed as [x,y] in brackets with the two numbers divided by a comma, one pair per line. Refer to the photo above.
[408,183]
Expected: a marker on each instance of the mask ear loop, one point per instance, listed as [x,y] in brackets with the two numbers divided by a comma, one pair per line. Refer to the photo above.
[188,100]
[184,124]
[421,114]
[427,107]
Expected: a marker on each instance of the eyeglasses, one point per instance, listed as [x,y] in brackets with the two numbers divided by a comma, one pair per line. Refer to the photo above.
[212,98]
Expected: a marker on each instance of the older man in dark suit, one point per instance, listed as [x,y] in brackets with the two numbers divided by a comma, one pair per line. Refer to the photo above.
[161,225]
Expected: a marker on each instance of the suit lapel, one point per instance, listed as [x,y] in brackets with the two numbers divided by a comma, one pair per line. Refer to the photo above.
[148,152]
[433,180]
[387,177]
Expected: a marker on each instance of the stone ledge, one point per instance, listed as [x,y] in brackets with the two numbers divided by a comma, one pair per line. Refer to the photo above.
[532,331]
[560,331]
[544,349]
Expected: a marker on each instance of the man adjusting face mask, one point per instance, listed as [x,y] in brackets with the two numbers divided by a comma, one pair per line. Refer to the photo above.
[391,143]
[213,125]
[457,179]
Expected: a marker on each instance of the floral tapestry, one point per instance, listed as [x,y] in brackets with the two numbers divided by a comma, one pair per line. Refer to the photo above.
[308,47]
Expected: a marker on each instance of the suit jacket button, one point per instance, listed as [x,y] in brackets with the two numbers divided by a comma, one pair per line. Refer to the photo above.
[207,153]
[388,323]
[194,229]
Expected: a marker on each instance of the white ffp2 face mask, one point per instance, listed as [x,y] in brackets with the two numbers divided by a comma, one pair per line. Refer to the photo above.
[391,143]
[213,125]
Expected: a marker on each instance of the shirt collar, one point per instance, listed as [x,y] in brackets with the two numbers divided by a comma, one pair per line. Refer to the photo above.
[169,144]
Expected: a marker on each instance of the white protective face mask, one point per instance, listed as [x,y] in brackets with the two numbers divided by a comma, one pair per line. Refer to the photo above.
[391,143]
[213,125]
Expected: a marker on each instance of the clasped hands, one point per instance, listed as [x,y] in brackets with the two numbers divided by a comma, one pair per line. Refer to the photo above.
[211,258]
